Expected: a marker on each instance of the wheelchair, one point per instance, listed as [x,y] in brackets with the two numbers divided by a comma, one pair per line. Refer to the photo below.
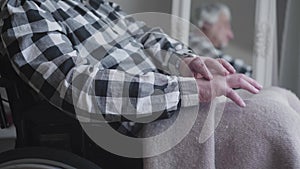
[46,136]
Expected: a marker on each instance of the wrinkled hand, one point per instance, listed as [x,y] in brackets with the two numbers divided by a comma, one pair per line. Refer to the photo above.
[200,67]
[223,85]
[216,77]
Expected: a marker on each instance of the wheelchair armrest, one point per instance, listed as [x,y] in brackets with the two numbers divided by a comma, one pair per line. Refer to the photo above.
[3,118]
[5,83]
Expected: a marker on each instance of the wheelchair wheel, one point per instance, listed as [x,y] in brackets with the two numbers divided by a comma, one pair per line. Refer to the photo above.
[43,158]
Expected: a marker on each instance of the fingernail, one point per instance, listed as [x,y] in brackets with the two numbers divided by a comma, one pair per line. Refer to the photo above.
[243,104]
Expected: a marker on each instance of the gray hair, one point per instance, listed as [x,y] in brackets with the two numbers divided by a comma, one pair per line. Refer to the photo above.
[210,13]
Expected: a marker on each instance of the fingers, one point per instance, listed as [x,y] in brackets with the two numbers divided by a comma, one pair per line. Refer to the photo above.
[238,81]
[247,86]
[206,66]
[217,66]
[231,94]
[223,85]
[244,82]
[227,65]
[198,66]
[253,83]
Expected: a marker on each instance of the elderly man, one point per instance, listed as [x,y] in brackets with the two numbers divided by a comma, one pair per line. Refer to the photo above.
[85,56]
[214,33]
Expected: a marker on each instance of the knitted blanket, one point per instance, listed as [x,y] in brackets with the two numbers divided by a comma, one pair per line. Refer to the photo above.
[265,134]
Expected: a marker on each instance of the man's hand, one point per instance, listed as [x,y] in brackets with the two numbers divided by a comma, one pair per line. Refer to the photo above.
[200,67]
[216,77]
[223,85]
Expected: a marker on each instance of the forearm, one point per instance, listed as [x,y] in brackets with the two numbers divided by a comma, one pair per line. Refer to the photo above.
[86,88]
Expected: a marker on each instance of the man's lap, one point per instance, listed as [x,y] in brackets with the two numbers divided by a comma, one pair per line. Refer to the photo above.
[235,137]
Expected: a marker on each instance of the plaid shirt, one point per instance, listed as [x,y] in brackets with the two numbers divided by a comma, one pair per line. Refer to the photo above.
[203,47]
[86,55]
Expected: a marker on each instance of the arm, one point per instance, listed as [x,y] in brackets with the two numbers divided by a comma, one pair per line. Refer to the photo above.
[166,53]
[170,54]
[43,56]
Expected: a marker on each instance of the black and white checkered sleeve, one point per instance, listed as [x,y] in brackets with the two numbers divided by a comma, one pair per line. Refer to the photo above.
[44,57]
[166,52]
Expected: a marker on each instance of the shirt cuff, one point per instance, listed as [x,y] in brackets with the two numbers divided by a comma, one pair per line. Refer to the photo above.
[188,91]
[174,62]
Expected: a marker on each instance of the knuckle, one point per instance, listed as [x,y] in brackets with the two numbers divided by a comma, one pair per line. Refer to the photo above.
[197,60]
[201,64]
[229,92]
[212,60]
[232,93]
[221,60]
[239,80]
[241,76]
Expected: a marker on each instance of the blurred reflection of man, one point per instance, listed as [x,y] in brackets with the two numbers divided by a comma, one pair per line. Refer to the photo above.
[213,20]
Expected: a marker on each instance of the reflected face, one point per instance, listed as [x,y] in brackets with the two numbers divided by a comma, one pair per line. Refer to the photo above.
[220,33]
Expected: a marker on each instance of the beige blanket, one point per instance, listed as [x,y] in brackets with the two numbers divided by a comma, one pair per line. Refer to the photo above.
[265,134]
